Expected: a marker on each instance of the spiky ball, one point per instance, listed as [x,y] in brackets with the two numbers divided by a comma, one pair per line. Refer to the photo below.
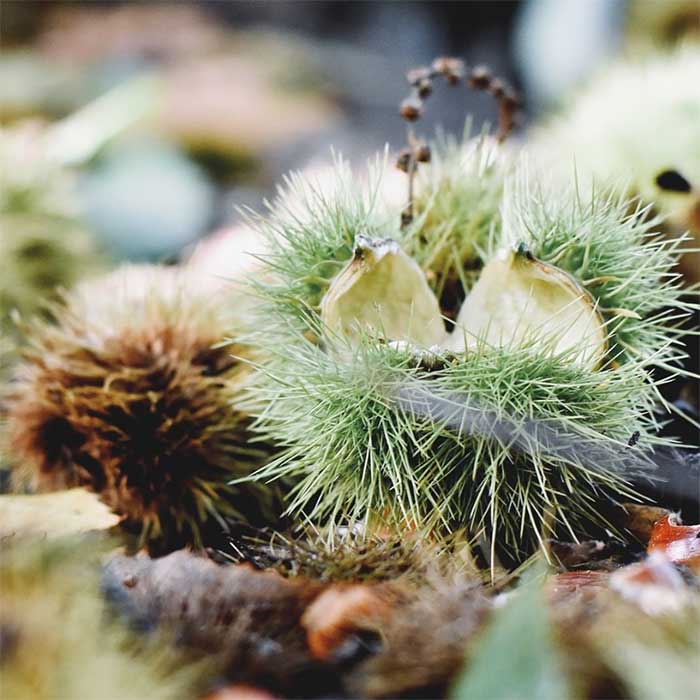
[127,395]
[662,23]
[636,126]
[506,434]
[44,244]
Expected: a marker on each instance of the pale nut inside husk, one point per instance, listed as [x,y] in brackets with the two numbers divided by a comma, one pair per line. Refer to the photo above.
[517,301]
[382,292]
[521,301]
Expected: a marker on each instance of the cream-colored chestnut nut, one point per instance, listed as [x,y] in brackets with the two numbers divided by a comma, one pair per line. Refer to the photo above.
[382,292]
[519,300]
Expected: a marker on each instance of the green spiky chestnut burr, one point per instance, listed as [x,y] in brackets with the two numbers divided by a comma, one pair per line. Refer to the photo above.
[509,418]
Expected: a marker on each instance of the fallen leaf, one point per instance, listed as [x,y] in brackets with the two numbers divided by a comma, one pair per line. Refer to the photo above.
[341,610]
[517,658]
[641,518]
[679,543]
[55,514]
[238,691]
[654,585]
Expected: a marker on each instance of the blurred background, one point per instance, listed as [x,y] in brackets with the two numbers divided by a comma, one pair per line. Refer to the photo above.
[174,114]
[133,131]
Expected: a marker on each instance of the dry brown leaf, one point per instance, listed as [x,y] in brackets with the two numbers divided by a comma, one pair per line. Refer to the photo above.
[679,543]
[340,611]
[239,691]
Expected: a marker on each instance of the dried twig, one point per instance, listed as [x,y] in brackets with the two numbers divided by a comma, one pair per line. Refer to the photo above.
[454,71]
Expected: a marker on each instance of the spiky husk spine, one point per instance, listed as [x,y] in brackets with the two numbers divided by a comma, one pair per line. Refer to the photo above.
[457,208]
[351,555]
[654,24]
[127,395]
[631,274]
[355,449]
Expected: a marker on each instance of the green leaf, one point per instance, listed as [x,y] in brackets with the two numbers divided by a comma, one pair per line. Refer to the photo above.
[516,658]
